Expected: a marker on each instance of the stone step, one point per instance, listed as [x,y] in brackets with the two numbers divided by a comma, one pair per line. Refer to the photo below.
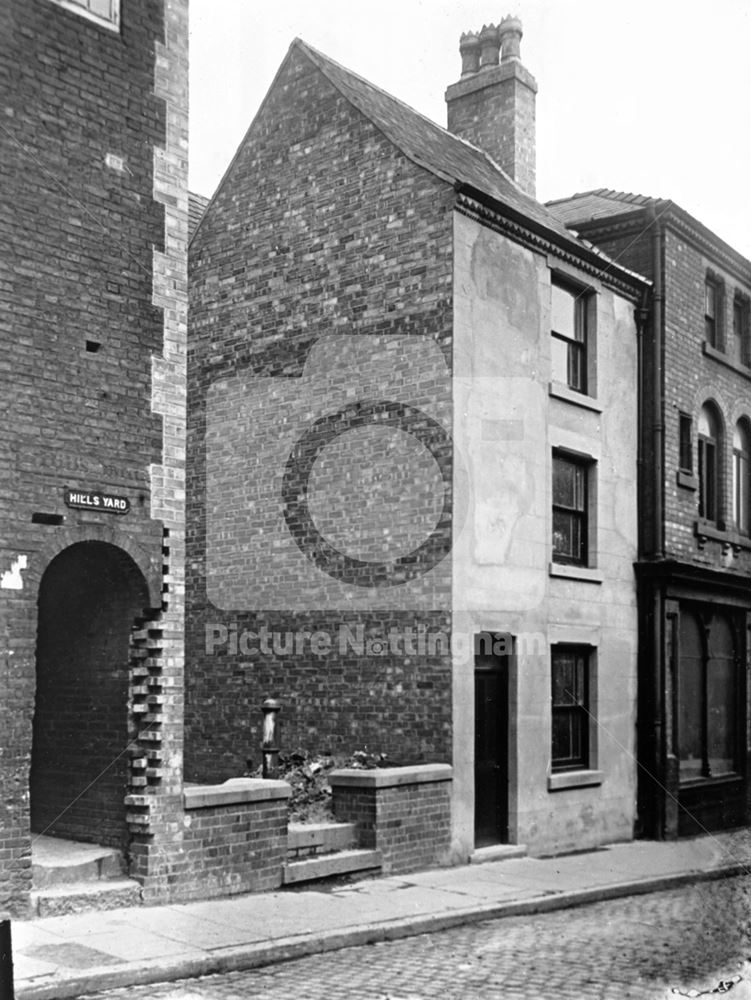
[497,852]
[57,862]
[326,865]
[79,897]
[304,839]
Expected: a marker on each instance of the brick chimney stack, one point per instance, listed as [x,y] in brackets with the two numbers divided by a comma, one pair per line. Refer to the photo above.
[493,104]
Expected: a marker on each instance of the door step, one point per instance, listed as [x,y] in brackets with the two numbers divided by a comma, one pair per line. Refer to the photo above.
[497,852]
[327,865]
[79,897]
[58,862]
[70,877]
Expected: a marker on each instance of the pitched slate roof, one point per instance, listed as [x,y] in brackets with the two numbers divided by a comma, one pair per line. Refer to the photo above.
[432,147]
[589,207]
[586,206]
[444,154]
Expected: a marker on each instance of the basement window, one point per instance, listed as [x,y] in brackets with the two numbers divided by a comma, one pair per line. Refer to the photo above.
[104,12]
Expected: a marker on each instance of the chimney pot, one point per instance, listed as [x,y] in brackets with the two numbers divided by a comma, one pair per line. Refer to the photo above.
[469,47]
[510,33]
[493,104]
[490,46]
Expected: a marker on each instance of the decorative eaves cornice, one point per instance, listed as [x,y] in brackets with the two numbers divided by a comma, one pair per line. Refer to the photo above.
[703,239]
[591,262]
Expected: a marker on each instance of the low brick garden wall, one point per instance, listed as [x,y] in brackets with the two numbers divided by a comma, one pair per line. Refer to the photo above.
[404,812]
[234,837]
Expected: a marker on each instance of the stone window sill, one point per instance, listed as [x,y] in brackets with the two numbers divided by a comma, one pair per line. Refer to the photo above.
[573,779]
[560,391]
[585,574]
[687,480]
[709,531]
[724,359]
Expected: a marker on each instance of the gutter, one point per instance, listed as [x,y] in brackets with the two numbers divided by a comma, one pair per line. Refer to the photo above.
[565,241]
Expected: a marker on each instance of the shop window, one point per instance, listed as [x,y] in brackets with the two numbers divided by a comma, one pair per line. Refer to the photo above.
[571,709]
[708,697]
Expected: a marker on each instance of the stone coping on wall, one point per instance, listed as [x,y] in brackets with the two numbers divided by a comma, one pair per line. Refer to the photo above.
[234,791]
[390,777]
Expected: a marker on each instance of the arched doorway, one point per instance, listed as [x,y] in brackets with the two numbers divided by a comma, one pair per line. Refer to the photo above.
[89,596]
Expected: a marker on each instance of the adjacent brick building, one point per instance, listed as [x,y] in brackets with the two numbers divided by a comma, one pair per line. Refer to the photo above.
[93,166]
[412,468]
[695,546]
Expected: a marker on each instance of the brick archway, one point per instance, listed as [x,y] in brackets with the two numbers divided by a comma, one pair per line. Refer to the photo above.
[89,596]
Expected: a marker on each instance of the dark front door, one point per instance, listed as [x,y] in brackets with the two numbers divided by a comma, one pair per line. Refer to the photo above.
[491,748]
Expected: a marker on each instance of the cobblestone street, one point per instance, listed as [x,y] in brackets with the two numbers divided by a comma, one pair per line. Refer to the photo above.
[641,947]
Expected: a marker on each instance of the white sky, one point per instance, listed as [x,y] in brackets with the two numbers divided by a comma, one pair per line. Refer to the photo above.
[651,97]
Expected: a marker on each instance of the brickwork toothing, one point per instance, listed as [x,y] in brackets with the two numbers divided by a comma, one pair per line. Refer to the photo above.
[82,126]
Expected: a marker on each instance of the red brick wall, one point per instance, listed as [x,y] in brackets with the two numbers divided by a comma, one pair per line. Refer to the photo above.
[409,823]
[691,378]
[321,227]
[78,238]
[236,849]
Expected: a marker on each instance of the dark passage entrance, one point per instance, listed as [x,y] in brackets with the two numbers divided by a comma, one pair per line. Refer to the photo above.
[492,654]
[88,598]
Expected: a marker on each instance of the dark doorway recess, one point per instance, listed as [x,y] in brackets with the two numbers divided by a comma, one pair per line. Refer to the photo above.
[89,596]
[492,658]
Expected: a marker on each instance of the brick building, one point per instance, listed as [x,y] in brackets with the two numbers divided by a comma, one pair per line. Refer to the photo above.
[412,467]
[695,544]
[93,161]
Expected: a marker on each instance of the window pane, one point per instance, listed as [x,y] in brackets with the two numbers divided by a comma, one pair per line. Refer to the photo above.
[576,370]
[563,311]
[568,536]
[684,431]
[101,7]
[710,300]
[568,484]
[707,480]
[564,678]
[709,425]
[691,697]
[721,699]
[562,737]
[568,738]
[559,360]
[741,490]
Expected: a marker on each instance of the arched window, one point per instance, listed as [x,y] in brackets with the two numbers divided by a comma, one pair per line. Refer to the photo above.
[709,434]
[741,481]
